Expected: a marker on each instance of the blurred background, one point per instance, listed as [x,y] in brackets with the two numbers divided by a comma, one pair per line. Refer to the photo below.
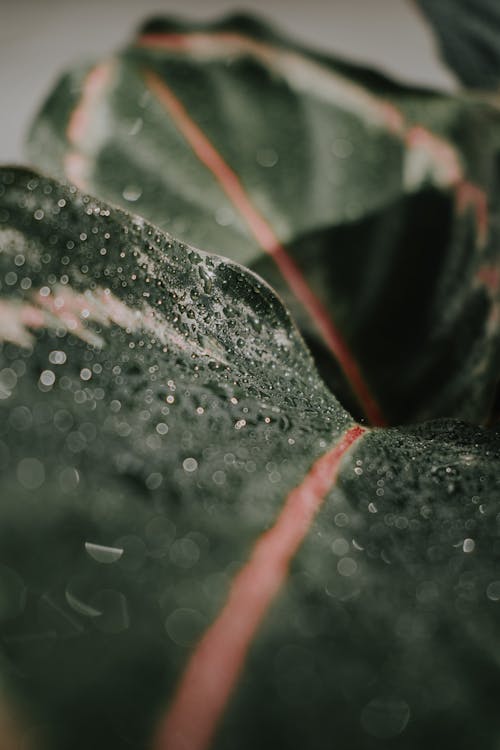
[39,38]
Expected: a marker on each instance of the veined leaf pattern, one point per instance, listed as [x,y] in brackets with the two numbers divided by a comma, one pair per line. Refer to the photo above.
[369,207]
[199,547]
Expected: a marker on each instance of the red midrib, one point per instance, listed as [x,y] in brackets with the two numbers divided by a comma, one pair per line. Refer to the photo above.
[270,243]
[218,660]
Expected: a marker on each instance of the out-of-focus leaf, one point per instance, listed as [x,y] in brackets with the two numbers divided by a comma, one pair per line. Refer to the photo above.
[198,546]
[469,36]
[370,207]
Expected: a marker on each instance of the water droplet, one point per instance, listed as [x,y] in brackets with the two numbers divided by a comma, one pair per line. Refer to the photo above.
[342,148]
[132,193]
[69,479]
[8,381]
[219,477]
[184,626]
[468,545]
[47,378]
[20,418]
[102,554]
[341,519]
[31,473]
[57,357]
[79,606]
[224,216]
[154,480]
[267,157]
[340,547]
[347,566]
[493,591]
[190,464]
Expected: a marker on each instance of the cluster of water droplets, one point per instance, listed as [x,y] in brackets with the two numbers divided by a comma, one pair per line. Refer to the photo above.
[157,406]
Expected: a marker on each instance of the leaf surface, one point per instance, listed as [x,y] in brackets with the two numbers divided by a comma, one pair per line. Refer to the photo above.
[469,35]
[198,546]
[370,207]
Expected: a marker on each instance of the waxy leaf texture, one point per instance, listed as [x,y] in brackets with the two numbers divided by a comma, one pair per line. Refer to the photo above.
[371,208]
[199,547]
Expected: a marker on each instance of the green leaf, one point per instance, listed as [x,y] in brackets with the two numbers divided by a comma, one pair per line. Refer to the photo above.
[198,546]
[370,207]
[469,37]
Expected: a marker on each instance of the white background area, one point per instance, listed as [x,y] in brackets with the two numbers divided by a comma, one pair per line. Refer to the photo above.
[40,38]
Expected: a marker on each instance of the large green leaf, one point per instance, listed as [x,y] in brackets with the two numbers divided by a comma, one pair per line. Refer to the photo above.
[370,207]
[198,546]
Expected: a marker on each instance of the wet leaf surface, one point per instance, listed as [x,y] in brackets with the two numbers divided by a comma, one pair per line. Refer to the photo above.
[174,473]
[370,207]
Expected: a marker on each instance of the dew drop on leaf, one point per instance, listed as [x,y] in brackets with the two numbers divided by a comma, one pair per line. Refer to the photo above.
[184,626]
[31,473]
[102,554]
[132,193]
[493,591]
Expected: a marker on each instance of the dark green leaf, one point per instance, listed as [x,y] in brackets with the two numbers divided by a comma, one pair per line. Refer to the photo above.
[371,208]
[469,36]
[160,572]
